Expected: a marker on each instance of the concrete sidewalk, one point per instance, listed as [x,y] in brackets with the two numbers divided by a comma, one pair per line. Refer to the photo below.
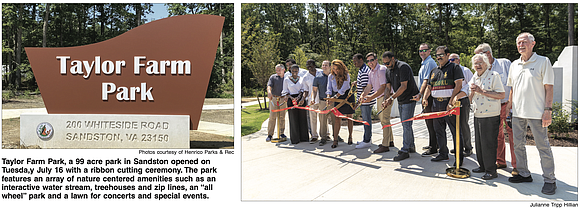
[309,172]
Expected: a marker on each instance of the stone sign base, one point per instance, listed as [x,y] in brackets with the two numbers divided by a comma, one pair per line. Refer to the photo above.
[94,131]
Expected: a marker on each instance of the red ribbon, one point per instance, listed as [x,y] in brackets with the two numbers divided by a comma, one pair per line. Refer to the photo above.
[454,111]
[334,111]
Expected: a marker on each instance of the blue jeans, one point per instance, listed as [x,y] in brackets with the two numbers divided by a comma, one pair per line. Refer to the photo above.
[407,111]
[366,116]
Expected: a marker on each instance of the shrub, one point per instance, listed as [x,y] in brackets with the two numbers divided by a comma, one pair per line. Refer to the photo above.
[560,118]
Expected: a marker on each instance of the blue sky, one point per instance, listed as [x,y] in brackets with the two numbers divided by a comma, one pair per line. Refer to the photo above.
[160,11]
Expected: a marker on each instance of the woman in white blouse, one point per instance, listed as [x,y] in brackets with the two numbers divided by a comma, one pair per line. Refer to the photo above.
[338,87]
[295,92]
[485,93]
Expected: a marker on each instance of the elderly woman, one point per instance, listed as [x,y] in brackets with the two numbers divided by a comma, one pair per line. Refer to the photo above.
[485,94]
[338,87]
[295,91]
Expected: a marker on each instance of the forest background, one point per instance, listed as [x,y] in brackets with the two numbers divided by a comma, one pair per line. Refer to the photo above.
[272,33]
[67,25]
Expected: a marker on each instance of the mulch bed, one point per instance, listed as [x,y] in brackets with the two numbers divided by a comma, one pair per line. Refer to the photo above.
[569,139]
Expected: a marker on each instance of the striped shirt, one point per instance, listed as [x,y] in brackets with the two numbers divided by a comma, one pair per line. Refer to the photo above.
[362,81]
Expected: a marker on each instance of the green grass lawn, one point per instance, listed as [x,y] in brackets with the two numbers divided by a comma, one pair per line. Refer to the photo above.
[252,119]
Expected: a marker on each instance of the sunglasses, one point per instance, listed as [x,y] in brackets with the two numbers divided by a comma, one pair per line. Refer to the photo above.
[453,59]
[439,55]
[423,51]
[371,60]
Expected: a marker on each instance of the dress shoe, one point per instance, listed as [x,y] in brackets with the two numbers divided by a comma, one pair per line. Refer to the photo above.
[381,149]
[269,138]
[401,156]
[549,188]
[499,166]
[467,153]
[391,144]
[519,179]
[452,151]
[489,176]
[440,157]
[426,147]
[478,170]
[429,152]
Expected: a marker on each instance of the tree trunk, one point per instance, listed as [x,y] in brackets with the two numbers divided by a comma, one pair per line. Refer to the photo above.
[45,25]
[440,19]
[258,97]
[18,50]
[138,13]
[8,77]
[265,103]
[102,18]
[448,25]
[548,41]
[327,31]
[571,25]
[498,47]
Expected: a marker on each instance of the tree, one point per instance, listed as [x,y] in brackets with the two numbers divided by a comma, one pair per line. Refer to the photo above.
[264,55]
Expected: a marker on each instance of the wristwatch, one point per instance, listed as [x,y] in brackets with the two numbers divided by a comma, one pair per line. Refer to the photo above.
[548,108]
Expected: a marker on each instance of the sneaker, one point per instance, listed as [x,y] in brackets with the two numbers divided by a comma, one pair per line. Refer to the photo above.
[429,152]
[269,138]
[361,145]
[322,142]
[440,157]
[283,136]
[313,140]
[519,179]
[549,188]
[401,156]
[467,153]
[391,144]
[515,172]
[426,147]
[381,149]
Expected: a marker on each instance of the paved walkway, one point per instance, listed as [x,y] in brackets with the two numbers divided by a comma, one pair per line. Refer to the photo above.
[309,172]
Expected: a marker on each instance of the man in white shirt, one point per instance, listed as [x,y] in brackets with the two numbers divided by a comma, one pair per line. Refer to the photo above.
[532,80]
[501,66]
[308,78]
[465,107]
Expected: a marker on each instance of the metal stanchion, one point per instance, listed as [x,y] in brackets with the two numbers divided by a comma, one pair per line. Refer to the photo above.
[456,171]
[278,139]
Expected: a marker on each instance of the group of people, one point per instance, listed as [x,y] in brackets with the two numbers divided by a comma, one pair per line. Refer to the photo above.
[498,91]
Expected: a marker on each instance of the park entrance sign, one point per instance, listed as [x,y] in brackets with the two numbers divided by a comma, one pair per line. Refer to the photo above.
[159,68]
